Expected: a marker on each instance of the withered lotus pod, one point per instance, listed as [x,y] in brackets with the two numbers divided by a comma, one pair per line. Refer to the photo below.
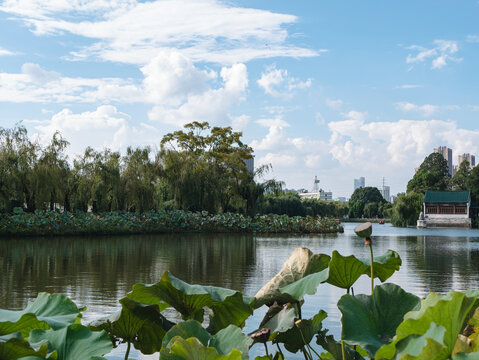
[364,230]
[261,336]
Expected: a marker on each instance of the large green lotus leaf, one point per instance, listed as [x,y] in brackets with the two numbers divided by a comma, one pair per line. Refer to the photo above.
[228,306]
[47,310]
[187,329]
[193,349]
[371,321]
[345,270]
[14,346]
[282,321]
[72,342]
[302,333]
[449,311]
[137,323]
[307,285]
[384,265]
[430,345]
[302,262]
[231,338]
[333,348]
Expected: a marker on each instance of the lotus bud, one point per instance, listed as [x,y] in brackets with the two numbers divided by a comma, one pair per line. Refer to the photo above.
[261,335]
[365,230]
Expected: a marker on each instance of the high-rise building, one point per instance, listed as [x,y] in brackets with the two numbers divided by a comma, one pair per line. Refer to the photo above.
[447,154]
[471,159]
[385,191]
[359,183]
[249,165]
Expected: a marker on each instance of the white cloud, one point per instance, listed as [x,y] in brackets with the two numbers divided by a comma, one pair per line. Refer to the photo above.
[5,52]
[170,77]
[239,123]
[103,127]
[408,86]
[426,109]
[355,115]
[439,55]
[472,38]
[334,104]
[278,161]
[133,31]
[35,84]
[277,82]
[211,105]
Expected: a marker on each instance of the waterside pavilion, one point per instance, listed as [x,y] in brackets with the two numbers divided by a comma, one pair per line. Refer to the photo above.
[445,209]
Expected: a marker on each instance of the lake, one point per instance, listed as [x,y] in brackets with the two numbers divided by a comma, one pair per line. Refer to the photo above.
[98,271]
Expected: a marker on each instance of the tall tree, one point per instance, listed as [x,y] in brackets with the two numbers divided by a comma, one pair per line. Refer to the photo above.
[458,181]
[433,174]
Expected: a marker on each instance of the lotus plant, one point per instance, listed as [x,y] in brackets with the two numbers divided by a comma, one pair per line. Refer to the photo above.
[364,231]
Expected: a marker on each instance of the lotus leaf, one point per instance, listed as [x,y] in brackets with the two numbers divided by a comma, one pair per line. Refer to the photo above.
[14,346]
[333,348]
[193,349]
[187,329]
[47,310]
[343,271]
[371,321]
[282,321]
[302,333]
[228,306]
[140,324]
[449,311]
[302,262]
[72,342]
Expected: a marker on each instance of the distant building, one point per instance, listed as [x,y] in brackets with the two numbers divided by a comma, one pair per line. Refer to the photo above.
[393,198]
[385,192]
[447,154]
[359,183]
[445,209]
[250,165]
[342,199]
[320,195]
[471,159]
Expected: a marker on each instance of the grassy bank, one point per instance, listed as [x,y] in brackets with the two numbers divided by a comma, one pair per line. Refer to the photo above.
[51,223]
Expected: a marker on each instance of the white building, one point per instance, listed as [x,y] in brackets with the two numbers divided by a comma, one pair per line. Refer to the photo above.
[446,209]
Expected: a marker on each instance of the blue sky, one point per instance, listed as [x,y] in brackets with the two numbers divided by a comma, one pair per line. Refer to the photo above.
[337,89]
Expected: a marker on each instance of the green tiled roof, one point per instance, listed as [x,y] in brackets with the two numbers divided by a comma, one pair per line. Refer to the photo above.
[447,196]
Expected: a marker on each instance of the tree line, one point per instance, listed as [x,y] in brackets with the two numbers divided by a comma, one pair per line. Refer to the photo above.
[199,168]
[433,174]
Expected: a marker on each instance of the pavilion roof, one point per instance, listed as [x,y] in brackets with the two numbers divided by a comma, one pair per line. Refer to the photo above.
[433,196]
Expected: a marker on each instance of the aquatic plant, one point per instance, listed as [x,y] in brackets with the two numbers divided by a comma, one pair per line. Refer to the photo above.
[388,324]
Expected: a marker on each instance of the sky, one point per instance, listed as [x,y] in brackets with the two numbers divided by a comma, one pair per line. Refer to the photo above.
[334,89]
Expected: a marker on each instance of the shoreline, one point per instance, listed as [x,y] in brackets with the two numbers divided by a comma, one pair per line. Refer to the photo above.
[55,223]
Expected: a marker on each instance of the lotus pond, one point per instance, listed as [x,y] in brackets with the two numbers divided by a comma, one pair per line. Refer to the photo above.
[99,271]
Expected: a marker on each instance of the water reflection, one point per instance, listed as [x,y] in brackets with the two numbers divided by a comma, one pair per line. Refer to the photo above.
[98,271]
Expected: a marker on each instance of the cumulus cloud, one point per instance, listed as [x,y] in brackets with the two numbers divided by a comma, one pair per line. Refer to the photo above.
[442,52]
[134,31]
[277,82]
[170,77]
[35,84]
[425,110]
[211,105]
[103,127]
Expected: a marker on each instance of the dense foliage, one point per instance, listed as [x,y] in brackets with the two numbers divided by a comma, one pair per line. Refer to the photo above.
[163,221]
[406,209]
[388,324]
[432,174]
[367,202]
[293,205]
[196,169]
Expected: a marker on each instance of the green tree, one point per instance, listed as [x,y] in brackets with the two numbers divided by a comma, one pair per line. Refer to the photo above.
[406,209]
[432,175]
[472,184]
[362,196]
[371,209]
[459,180]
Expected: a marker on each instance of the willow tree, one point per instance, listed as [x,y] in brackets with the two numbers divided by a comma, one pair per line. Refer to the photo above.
[206,171]
[138,178]
[18,159]
[51,175]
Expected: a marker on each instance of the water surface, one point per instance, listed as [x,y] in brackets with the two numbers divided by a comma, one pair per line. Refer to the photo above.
[98,271]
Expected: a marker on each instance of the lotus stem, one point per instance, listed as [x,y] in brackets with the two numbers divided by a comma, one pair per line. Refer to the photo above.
[306,350]
[266,349]
[372,271]
[127,350]
[343,350]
